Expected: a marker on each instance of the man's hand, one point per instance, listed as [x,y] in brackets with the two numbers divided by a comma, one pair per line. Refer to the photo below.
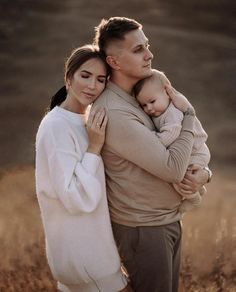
[194,179]
[178,99]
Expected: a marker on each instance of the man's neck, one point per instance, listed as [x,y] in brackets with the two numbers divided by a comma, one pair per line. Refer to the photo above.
[123,82]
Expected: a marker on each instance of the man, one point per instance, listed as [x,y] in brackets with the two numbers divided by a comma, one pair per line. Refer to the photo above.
[139,170]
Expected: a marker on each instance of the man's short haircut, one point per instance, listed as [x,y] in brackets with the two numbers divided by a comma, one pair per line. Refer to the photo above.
[113,29]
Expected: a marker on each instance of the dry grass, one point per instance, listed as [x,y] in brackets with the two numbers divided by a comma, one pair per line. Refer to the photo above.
[209,257]
[23,265]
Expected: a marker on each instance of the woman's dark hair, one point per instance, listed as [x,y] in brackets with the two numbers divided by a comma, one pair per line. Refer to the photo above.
[58,97]
[77,58]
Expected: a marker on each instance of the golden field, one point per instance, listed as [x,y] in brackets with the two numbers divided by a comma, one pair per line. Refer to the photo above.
[209,254]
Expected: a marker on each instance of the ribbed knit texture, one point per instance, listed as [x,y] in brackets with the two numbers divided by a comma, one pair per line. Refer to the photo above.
[169,125]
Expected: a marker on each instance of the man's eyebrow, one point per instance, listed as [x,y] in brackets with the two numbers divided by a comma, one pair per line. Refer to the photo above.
[141,44]
[138,46]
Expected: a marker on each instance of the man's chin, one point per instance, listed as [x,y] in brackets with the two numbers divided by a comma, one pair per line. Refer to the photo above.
[143,75]
[148,73]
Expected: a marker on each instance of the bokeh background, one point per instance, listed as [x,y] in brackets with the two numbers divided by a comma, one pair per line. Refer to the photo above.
[194,43]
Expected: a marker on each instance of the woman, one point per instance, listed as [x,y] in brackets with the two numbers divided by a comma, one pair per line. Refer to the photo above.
[70,181]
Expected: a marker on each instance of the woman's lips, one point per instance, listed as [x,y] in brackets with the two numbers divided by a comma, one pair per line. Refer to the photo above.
[90,95]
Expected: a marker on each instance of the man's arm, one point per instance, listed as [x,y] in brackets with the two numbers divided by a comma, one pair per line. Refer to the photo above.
[130,139]
[168,134]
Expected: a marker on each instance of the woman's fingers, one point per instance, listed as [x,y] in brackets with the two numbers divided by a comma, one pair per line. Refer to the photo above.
[90,118]
[104,123]
[97,120]
[96,117]
[96,130]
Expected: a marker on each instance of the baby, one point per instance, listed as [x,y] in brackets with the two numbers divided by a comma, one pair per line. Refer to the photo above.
[151,94]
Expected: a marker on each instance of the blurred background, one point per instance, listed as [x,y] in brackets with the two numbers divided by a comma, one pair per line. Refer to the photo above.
[194,43]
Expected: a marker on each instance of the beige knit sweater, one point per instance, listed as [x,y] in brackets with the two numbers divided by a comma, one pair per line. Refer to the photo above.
[169,125]
[139,169]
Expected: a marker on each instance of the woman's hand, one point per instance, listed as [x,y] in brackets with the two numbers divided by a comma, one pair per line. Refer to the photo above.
[96,127]
[178,99]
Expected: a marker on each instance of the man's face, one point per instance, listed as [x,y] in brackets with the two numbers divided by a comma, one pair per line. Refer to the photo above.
[134,58]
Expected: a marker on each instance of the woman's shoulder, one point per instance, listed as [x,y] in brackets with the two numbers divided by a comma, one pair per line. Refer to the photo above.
[52,118]
[52,122]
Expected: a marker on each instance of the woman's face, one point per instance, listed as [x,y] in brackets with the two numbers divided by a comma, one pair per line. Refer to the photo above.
[87,83]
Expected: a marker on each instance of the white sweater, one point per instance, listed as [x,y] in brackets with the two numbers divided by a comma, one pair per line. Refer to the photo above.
[70,186]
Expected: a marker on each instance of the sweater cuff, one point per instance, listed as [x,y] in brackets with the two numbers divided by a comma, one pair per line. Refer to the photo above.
[91,162]
[188,123]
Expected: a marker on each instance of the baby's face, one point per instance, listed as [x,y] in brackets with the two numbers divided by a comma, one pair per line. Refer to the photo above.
[153,99]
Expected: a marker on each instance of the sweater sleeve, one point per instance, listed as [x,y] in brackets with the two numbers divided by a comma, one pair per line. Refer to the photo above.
[169,125]
[201,153]
[201,156]
[73,176]
[133,141]
[168,133]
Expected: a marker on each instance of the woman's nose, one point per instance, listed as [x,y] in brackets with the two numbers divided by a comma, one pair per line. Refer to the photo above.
[92,84]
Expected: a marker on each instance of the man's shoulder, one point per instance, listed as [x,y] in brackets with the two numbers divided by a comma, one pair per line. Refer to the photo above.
[109,99]
[102,99]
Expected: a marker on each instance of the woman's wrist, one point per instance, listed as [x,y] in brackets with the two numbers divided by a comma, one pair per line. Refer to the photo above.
[94,150]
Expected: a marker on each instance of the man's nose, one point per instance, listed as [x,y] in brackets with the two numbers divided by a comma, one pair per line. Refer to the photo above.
[149,55]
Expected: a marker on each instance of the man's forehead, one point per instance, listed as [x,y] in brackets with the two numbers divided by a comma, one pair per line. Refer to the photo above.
[135,38]
[131,40]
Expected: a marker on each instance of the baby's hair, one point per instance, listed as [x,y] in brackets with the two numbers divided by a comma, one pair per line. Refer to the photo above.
[156,75]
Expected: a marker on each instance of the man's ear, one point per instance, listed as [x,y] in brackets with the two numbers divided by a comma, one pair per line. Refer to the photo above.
[113,62]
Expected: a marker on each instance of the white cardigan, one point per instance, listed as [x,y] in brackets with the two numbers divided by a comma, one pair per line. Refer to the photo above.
[70,186]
